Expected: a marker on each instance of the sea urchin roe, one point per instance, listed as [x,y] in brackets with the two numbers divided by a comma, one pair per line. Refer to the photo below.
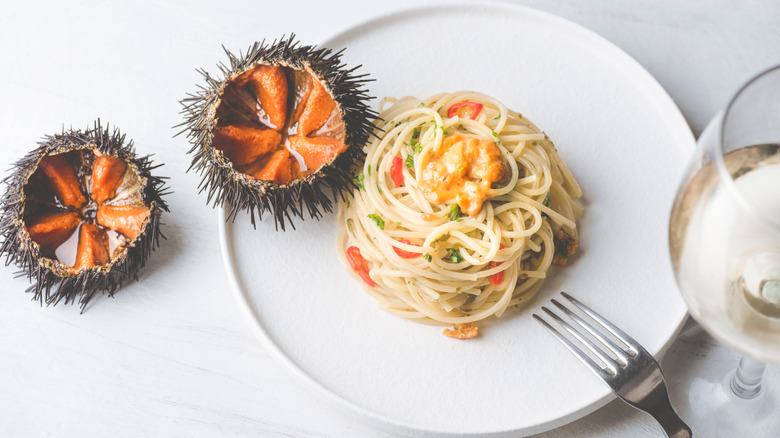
[269,85]
[81,231]
[107,174]
[52,229]
[462,169]
[92,247]
[63,180]
[245,143]
[126,219]
[278,124]
[464,330]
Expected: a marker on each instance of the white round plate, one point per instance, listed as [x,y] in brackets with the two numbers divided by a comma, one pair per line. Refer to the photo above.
[624,140]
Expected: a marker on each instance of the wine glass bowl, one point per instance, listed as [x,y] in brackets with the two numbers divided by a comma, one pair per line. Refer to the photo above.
[725,224]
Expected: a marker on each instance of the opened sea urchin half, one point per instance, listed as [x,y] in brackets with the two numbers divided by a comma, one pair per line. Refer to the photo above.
[81,214]
[279,131]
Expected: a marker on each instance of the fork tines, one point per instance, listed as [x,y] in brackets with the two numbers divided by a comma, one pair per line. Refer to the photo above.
[590,336]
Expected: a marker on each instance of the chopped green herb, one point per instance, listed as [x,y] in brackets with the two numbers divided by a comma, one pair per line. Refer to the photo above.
[379,221]
[358,180]
[422,105]
[442,238]
[416,134]
[427,257]
[546,201]
[495,134]
[369,170]
[409,161]
[460,126]
[418,148]
[454,255]
[455,213]
[379,187]
[497,117]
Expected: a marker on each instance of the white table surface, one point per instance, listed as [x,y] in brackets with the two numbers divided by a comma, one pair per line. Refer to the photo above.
[173,355]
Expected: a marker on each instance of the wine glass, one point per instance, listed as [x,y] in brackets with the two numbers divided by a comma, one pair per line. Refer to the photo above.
[724,237]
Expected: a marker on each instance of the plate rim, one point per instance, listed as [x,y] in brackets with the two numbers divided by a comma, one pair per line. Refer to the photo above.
[225,226]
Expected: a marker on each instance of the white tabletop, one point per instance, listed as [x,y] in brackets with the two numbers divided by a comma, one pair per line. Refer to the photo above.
[173,355]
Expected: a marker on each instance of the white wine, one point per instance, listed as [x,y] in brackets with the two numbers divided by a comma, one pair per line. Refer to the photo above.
[725,248]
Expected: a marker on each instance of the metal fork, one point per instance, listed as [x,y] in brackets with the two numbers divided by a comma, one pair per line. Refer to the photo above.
[633,374]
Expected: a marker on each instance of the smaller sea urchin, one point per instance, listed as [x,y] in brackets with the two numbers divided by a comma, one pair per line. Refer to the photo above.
[279,130]
[81,214]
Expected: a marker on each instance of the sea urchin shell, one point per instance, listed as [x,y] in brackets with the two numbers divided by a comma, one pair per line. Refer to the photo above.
[81,214]
[283,123]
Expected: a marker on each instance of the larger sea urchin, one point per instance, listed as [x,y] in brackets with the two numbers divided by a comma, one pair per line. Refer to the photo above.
[81,214]
[283,124]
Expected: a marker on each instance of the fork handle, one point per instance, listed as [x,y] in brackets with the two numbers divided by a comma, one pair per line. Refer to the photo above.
[671,422]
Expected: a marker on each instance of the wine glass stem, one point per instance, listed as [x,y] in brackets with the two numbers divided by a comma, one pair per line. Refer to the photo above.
[746,382]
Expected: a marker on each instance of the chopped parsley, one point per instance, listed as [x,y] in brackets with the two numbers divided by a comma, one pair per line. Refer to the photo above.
[409,161]
[416,134]
[422,105]
[369,170]
[379,221]
[441,238]
[454,255]
[379,187]
[358,180]
[495,134]
[417,147]
[497,117]
[427,257]
[455,213]
[546,201]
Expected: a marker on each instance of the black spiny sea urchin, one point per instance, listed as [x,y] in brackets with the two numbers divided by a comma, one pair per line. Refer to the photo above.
[81,214]
[283,124]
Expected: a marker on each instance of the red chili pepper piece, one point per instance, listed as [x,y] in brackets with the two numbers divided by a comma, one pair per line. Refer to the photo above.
[407,254]
[498,277]
[359,264]
[355,259]
[396,171]
[469,108]
[366,278]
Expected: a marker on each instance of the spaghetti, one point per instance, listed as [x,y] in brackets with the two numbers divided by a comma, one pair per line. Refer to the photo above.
[437,240]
